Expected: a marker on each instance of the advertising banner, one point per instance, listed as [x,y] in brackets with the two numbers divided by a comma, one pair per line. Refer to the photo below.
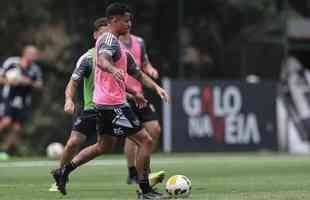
[219,116]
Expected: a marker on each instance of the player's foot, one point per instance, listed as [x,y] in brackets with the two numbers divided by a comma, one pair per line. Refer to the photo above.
[61,180]
[150,195]
[156,177]
[53,188]
[132,180]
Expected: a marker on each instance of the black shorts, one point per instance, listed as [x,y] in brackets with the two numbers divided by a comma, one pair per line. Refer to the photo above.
[117,121]
[17,114]
[85,123]
[146,114]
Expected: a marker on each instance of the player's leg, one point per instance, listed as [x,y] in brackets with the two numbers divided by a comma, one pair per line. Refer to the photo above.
[5,122]
[83,127]
[12,116]
[73,144]
[154,129]
[131,151]
[87,154]
[149,117]
[144,142]
[12,136]
[103,144]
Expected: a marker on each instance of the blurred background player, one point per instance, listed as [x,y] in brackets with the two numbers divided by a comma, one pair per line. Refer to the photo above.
[147,115]
[20,75]
[84,125]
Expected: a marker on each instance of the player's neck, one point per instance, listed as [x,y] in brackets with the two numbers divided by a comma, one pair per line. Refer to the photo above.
[125,38]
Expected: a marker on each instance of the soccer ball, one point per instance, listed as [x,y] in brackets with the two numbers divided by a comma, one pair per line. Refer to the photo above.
[54,150]
[178,186]
[13,74]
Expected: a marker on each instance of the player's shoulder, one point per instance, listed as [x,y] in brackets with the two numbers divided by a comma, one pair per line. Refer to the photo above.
[11,61]
[108,38]
[85,58]
[138,38]
[89,54]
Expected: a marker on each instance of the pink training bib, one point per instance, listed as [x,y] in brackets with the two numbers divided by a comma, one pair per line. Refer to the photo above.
[109,91]
[135,51]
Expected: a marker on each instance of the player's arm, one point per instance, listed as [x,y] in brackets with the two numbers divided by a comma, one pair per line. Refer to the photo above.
[145,79]
[150,70]
[147,67]
[4,68]
[139,99]
[107,47]
[82,69]
[70,92]
[3,80]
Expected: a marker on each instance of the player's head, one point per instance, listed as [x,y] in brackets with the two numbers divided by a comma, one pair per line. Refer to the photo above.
[100,26]
[30,53]
[119,17]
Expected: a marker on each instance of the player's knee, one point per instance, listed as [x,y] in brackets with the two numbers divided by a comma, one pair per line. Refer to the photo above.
[156,131]
[101,147]
[147,140]
[73,144]
[6,122]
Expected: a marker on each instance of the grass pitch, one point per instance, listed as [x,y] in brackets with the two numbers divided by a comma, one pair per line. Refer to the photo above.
[214,177]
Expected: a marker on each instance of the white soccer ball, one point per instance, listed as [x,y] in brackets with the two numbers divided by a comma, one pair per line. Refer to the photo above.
[54,150]
[13,74]
[179,186]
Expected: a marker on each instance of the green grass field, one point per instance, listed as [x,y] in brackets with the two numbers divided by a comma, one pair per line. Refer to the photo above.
[214,177]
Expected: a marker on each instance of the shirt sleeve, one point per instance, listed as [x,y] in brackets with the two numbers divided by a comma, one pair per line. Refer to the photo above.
[109,45]
[132,67]
[8,64]
[82,68]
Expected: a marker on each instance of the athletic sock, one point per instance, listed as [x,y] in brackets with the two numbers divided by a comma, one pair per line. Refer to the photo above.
[68,168]
[132,171]
[145,186]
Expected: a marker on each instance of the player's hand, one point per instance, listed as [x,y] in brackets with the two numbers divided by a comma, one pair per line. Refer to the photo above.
[163,94]
[69,106]
[152,72]
[25,81]
[140,101]
[13,82]
[118,74]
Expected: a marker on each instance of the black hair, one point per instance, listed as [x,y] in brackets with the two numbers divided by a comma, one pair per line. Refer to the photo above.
[102,21]
[117,9]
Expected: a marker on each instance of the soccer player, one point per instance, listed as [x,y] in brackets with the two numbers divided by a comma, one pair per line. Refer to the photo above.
[17,92]
[85,124]
[147,115]
[115,118]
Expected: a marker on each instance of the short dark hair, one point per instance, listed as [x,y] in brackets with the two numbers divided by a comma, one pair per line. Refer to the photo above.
[102,21]
[117,9]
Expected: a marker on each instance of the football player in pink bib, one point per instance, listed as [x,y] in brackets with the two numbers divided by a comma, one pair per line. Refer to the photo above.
[115,117]
[147,115]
